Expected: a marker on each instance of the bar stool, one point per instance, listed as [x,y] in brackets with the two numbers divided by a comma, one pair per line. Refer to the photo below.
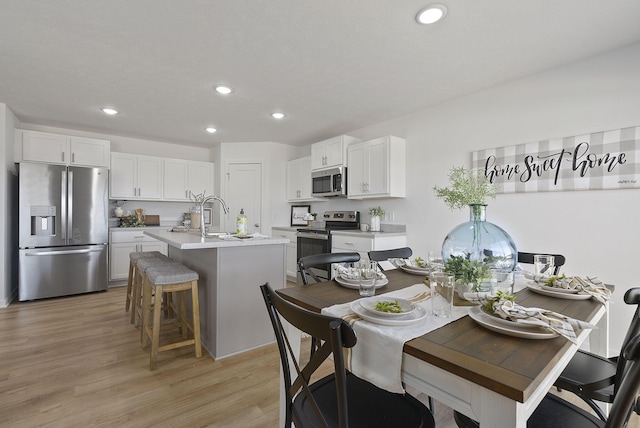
[133,258]
[176,279]
[142,265]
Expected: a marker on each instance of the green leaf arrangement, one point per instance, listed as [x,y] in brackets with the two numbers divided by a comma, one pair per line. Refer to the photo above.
[467,187]
[467,271]
[376,212]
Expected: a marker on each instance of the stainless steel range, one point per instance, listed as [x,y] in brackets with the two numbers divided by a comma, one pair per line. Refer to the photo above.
[313,241]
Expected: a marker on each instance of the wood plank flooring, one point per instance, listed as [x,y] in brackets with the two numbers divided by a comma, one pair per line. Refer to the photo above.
[77,362]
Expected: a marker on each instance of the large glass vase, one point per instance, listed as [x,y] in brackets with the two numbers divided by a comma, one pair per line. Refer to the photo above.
[476,247]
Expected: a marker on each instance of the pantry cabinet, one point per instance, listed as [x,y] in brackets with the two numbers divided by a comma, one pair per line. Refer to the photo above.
[135,177]
[331,153]
[61,149]
[181,178]
[126,241]
[377,168]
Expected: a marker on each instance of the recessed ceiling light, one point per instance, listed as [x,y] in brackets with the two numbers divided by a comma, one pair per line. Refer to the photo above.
[431,14]
[109,111]
[210,129]
[224,90]
[277,115]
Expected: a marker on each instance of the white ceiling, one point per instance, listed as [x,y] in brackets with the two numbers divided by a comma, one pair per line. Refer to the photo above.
[331,65]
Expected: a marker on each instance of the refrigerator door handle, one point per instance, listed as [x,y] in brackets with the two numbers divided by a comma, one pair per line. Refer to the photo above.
[63,204]
[56,253]
[70,206]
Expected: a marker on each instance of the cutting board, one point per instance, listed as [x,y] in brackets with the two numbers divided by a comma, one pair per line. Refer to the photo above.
[152,220]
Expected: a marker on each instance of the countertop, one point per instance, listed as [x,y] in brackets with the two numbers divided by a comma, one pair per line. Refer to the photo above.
[193,241]
[368,234]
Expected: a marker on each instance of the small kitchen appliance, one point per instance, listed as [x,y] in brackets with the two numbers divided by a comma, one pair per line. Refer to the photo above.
[329,182]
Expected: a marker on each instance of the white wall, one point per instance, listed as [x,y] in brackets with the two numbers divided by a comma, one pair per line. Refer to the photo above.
[596,230]
[8,212]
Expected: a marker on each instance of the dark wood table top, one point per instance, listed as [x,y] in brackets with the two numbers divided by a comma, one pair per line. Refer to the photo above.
[510,366]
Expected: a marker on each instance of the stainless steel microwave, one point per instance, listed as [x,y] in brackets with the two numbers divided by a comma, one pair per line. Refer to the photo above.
[329,182]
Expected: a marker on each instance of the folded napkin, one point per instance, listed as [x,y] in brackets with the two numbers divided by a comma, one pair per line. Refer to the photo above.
[589,284]
[353,273]
[377,356]
[510,310]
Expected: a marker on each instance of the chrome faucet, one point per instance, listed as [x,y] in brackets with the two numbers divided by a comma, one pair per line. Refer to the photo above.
[225,208]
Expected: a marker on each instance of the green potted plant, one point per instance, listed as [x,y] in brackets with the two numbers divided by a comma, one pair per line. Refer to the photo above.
[376,214]
[466,187]
[473,247]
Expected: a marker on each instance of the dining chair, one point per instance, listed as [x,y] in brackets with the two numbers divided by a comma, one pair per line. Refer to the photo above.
[395,253]
[306,263]
[596,378]
[555,412]
[527,258]
[340,399]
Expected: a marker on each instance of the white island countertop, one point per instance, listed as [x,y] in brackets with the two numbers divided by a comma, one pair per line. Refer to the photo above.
[193,241]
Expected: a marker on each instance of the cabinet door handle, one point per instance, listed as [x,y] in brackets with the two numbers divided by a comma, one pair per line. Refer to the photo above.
[73,157]
[62,156]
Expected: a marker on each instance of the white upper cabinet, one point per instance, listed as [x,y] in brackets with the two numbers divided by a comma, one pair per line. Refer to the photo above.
[182,177]
[376,168]
[330,153]
[64,149]
[299,180]
[135,177]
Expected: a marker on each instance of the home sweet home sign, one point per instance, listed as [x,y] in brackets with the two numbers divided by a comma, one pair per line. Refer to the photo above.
[602,160]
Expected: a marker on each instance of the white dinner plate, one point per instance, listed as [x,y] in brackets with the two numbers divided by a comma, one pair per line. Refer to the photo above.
[493,324]
[548,291]
[419,314]
[370,303]
[415,270]
[523,323]
[350,284]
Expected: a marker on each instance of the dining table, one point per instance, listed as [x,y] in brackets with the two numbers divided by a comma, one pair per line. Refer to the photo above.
[496,379]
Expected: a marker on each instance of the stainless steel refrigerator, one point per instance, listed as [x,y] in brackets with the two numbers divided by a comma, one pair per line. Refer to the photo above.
[64,231]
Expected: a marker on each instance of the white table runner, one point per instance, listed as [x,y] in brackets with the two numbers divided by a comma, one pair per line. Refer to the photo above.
[377,356]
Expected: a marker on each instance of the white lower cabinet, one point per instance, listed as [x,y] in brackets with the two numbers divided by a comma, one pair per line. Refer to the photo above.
[292,251]
[123,242]
[344,242]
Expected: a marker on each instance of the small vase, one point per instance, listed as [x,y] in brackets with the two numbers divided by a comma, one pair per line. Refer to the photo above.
[375,223]
[481,241]
[119,211]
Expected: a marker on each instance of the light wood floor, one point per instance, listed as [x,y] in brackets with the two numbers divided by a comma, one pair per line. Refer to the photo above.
[77,362]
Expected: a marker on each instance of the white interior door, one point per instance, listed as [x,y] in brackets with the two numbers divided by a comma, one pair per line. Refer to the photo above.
[244,191]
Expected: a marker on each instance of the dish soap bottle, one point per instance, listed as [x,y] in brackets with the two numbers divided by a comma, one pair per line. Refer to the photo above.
[241,223]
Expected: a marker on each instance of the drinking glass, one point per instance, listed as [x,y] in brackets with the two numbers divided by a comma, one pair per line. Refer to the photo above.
[434,261]
[501,280]
[442,289]
[367,278]
[544,264]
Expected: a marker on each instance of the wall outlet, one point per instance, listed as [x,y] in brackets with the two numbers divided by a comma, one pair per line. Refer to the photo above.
[390,216]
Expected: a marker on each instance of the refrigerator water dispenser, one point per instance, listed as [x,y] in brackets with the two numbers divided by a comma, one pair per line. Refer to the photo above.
[43,220]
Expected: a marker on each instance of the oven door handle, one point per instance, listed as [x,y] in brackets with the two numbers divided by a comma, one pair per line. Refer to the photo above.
[312,235]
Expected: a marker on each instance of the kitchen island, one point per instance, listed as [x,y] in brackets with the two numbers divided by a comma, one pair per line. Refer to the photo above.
[233,317]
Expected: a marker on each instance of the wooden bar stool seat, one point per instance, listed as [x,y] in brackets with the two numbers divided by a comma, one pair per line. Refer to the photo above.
[142,264]
[178,280]
[133,258]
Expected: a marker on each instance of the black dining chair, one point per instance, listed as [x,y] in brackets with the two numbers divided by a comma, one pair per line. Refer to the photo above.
[555,412]
[340,399]
[395,253]
[527,258]
[596,378]
[306,263]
